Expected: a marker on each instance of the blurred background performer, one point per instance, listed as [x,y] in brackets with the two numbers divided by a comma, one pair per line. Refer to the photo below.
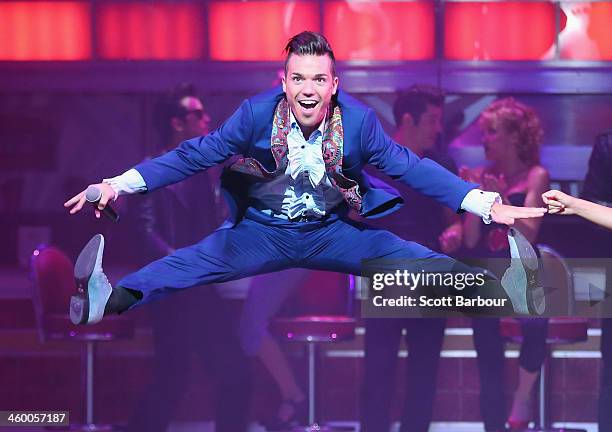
[192,322]
[511,134]
[598,188]
[418,118]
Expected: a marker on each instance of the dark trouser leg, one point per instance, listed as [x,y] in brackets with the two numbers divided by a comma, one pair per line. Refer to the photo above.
[533,348]
[220,349]
[190,322]
[424,336]
[490,349]
[171,369]
[381,345]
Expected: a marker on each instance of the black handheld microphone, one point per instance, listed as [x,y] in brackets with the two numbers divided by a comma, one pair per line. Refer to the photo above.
[93,196]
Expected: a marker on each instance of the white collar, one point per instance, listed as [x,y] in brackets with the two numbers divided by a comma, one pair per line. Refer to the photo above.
[293,121]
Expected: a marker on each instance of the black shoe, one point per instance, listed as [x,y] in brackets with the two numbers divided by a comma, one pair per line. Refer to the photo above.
[94,290]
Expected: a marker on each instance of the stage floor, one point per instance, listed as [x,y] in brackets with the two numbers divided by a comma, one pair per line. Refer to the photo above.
[435,427]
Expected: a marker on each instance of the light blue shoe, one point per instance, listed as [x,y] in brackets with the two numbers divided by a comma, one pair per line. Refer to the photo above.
[94,290]
[520,281]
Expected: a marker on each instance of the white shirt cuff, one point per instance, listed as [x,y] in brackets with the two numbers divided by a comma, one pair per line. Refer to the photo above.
[479,203]
[127,183]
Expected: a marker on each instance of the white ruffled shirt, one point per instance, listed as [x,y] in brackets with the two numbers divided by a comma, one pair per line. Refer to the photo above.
[304,189]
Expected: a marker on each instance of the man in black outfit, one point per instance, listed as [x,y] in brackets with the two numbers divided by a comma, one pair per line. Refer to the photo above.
[598,188]
[418,116]
[193,321]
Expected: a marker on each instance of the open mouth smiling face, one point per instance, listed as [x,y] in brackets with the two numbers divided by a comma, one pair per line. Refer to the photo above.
[308,106]
[309,84]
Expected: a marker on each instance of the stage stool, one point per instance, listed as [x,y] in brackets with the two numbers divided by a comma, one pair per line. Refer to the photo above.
[561,330]
[335,325]
[52,275]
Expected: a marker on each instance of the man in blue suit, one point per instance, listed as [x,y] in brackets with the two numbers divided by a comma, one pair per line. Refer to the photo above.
[296,171]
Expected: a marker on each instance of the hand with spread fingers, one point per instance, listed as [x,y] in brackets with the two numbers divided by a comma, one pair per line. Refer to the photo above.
[76,202]
[507,214]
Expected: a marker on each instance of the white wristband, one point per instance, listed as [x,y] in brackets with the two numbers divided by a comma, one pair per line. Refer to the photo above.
[127,183]
[479,203]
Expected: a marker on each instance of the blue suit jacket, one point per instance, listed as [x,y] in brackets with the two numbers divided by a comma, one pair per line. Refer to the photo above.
[248,131]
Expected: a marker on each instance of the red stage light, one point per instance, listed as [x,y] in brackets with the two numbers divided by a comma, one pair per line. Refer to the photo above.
[380,30]
[587,34]
[257,31]
[157,31]
[45,31]
[498,31]
[600,30]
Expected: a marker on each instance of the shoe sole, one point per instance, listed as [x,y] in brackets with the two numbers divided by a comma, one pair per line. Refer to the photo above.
[534,295]
[89,258]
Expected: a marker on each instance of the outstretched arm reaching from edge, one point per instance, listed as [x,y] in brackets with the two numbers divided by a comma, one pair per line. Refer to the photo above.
[562,203]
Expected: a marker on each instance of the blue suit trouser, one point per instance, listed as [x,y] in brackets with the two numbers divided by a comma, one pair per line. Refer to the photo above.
[261,244]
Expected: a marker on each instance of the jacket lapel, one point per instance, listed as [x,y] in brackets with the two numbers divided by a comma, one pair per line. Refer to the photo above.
[333,143]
